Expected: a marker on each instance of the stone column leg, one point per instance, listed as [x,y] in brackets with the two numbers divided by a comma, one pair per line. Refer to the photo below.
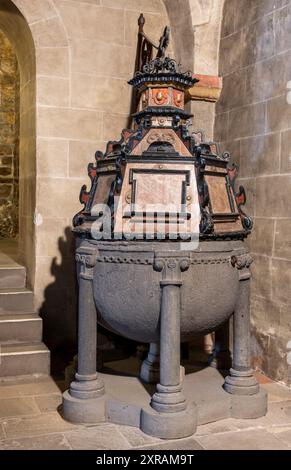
[221,357]
[169,416]
[82,403]
[150,368]
[248,401]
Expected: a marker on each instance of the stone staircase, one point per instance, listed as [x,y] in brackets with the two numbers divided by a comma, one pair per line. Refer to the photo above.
[21,349]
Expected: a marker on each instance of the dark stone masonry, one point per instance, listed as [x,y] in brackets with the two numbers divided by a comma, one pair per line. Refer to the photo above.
[9,152]
[253,122]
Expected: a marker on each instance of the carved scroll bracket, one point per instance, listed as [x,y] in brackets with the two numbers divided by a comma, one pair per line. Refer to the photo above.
[87,262]
[242,263]
[171,267]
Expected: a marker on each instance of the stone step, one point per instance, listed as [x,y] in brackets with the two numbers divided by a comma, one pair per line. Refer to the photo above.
[20,327]
[12,276]
[16,300]
[24,359]
[8,313]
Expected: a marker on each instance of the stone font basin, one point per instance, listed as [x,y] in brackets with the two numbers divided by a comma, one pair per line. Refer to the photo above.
[127,289]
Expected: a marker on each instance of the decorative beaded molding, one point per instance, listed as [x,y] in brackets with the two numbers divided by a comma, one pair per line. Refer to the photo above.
[123,259]
[130,260]
[211,261]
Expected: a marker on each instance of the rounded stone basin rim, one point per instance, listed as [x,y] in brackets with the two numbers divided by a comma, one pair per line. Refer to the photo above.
[154,246]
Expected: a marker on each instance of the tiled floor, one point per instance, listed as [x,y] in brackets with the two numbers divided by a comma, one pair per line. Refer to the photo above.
[29,420]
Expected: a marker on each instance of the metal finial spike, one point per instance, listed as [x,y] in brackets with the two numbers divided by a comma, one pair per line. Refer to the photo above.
[164,42]
[141,22]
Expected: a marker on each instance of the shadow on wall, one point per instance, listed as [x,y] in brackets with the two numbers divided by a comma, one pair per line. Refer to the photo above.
[59,308]
[59,312]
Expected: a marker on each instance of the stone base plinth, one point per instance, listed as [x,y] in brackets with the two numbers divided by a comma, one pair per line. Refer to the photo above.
[249,406]
[88,411]
[127,402]
[169,425]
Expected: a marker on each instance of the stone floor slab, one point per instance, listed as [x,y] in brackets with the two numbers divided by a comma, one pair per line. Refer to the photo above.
[181,444]
[102,437]
[136,437]
[48,403]
[232,424]
[225,425]
[279,412]
[29,426]
[14,407]
[46,442]
[283,433]
[255,439]
[241,424]
[277,392]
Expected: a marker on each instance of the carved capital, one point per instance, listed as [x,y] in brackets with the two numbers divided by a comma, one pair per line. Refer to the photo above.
[171,268]
[87,262]
[242,263]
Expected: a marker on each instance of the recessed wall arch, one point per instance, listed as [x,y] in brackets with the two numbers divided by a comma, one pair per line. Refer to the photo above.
[15,27]
[32,27]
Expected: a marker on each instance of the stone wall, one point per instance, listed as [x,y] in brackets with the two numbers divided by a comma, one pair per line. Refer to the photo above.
[16,28]
[253,121]
[74,97]
[9,148]
[206,20]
